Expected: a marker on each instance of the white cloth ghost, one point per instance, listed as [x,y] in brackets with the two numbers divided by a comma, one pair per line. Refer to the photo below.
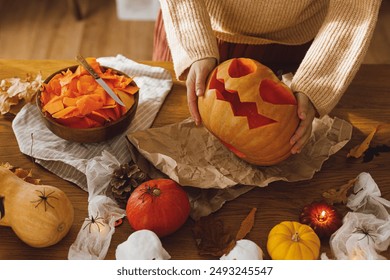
[142,245]
[244,250]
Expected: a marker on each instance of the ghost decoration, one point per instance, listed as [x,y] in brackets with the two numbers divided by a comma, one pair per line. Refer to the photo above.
[365,231]
[142,245]
[244,250]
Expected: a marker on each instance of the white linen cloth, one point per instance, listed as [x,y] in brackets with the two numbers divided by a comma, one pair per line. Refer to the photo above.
[69,160]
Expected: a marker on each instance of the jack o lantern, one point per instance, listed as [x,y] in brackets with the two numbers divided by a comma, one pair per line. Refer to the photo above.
[250,111]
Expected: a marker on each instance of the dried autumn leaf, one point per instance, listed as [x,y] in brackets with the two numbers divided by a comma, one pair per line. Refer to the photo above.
[24,174]
[14,91]
[359,150]
[6,165]
[333,196]
[212,237]
[246,224]
[382,136]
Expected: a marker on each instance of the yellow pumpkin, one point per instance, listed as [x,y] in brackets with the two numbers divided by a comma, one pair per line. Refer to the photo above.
[250,111]
[291,240]
[40,215]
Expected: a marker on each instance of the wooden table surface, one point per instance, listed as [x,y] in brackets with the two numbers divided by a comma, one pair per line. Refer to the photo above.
[365,104]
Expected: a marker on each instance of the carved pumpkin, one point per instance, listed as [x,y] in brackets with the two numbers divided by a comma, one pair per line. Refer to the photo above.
[291,240]
[250,111]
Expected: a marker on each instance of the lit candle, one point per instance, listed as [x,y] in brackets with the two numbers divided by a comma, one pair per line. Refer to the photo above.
[322,217]
[358,254]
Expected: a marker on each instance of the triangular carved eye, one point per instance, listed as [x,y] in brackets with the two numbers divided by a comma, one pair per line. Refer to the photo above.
[275,93]
[243,109]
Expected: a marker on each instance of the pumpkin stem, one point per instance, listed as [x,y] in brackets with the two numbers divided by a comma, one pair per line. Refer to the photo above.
[295,237]
[156,191]
[150,190]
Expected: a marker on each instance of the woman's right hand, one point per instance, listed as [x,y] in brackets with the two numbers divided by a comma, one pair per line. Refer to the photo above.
[196,84]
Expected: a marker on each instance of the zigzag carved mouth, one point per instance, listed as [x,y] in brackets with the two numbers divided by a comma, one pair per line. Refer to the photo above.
[244,109]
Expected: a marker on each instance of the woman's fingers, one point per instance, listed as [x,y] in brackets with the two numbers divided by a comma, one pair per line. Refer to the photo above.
[196,84]
[306,114]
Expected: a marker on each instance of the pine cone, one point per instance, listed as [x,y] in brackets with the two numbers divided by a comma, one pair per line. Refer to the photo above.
[124,180]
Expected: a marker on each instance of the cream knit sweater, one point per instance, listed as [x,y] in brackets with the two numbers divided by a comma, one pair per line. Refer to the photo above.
[341,30]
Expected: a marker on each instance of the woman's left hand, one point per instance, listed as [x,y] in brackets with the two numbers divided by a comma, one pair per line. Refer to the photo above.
[306,114]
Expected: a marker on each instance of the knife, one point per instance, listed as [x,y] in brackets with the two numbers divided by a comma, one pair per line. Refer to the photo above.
[99,80]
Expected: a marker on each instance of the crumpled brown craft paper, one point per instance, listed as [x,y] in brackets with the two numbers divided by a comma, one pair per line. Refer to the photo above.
[193,157]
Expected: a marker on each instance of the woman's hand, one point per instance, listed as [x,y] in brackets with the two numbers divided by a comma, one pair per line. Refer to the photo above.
[306,114]
[196,84]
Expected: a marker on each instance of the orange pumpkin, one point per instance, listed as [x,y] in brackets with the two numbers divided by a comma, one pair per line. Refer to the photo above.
[250,111]
[159,205]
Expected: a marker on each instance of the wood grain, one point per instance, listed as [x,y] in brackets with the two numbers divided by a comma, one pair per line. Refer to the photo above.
[47,29]
[364,105]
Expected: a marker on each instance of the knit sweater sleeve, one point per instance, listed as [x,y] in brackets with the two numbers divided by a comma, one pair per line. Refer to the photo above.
[337,52]
[189,33]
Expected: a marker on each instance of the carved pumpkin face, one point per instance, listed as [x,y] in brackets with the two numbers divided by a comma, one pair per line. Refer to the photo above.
[250,111]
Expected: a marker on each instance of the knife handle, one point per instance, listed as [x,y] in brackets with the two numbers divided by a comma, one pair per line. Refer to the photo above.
[87,67]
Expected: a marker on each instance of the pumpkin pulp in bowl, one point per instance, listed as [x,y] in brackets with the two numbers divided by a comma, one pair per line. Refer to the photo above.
[75,108]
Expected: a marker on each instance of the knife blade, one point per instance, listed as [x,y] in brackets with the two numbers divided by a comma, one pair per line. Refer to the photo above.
[98,79]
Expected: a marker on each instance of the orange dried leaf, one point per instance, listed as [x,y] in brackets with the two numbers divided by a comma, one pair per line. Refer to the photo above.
[359,150]
[27,176]
[246,225]
[333,196]
[6,165]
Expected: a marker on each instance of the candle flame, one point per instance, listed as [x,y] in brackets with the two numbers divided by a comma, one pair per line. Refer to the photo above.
[322,216]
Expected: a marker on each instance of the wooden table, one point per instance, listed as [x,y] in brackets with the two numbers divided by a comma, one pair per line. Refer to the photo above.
[365,104]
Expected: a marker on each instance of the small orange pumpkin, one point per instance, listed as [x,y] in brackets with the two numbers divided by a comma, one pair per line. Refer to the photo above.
[291,240]
[159,205]
[250,111]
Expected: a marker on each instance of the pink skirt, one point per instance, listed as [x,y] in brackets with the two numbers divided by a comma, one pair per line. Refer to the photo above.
[280,58]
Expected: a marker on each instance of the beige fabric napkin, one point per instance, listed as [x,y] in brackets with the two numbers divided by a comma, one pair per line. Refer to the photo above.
[67,159]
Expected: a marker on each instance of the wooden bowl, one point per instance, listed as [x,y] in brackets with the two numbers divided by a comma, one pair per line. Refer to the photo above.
[88,135]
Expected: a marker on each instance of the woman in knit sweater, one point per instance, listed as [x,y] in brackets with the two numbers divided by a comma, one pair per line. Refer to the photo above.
[325,40]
